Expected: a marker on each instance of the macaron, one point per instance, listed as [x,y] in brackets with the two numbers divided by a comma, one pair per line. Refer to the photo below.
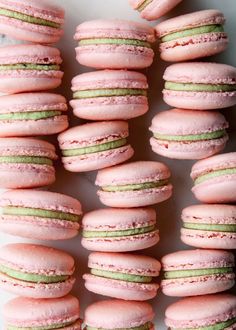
[119,314]
[209,226]
[192,36]
[94,146]
[188,134]
[57,313]
[114,44]
[197,272]
[42,215]
[26,163]
[200,86]
[203,312]
[28,68]
[122,276]
[31,20]
[135,184]
[109,95]
[36,271]
[215,178]
[32,114]
[120,230]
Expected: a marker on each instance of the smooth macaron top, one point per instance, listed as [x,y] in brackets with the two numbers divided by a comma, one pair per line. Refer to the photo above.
[118,314]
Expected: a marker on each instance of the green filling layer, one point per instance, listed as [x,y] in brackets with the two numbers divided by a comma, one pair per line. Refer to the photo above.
[144,5]
[121,233]
[93,149]
[32,277]
[53,326]
[29,66]
[114,41]
[193,32]
[108,92]
[27,18]
[138,186]
[196,272]
[121,276]
[217,326]
[37,115]
[26,160]
[214,174]
[187,87]
[197,137]
[145,326]
[230,228]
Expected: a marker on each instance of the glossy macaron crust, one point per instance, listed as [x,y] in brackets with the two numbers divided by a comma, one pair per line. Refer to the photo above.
[109,95]
[122,276]
[210,226]
[57,313]
[200,86]
[215,178]
[192,36]
[26,163]
[120,230]
[95,145]
[28,68]
[32,114]
[36,271]
[188,134]
[203,312]
[197,272]
[114,44]
[135,184]
[39,215]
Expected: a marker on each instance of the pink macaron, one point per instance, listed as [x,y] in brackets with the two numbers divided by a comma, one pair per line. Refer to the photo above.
[215,178]
[200,86]
[28,68]
[26,163]
[31,20]
[120,230]
[110,95]
[197,272]
[28,313]
[192,36]
[188,134]
[94,146]
[203,312]
[114,44]
[209,226]
[42,215]
[32,114]
[36,271]
[135,184]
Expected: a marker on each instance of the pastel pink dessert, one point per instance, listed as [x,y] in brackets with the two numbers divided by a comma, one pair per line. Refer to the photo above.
[28,68]
[122,276]
[31,20]
[200,86]
[36,271]
[215,178]
[135,184]
[192,36]
[188,134]
[114,44]
[203,312]
[209,226]
[197,272]
[94,146]
[120,230]
[26,163]
[57,313]
[42,215]
[110,95]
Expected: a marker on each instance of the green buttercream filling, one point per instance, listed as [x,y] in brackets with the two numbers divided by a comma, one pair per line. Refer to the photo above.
[138,186]
[108,92]
[29,66]
[24,211]
[193,32]
[217,326]
[197,137]
[31,115]
[53,326]
[214,174]
[120,233]
[93,149]
[26,160]
[145,326]
[27,18]
[121,276]
[196,272]
[187,87]
[27,277]
[230,228]
[143,5]
[114,41]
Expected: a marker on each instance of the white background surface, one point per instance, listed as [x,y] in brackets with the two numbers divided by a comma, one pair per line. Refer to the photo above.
[82,185]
